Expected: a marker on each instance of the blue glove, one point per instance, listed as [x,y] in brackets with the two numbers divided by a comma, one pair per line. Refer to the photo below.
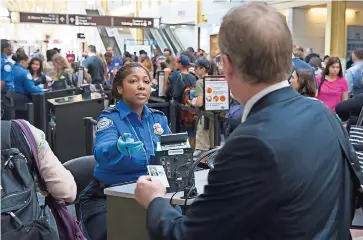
[127,146]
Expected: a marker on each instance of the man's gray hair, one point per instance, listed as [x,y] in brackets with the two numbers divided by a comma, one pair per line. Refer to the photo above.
[258,42]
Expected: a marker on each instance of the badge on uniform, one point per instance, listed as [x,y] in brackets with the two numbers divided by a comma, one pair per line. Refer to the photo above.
[103,124]
[7,68]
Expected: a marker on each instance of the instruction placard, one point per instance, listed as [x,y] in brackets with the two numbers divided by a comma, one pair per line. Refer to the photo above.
[216,93]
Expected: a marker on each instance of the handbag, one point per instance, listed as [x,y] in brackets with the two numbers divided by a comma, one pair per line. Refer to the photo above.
[68,227]
[350,155]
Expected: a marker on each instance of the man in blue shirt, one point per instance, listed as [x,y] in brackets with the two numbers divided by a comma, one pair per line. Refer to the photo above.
[113,65]
[354,74]
[116,61]
[7,84]
[297,55]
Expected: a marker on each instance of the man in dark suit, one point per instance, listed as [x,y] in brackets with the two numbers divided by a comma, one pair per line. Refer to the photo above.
[281,174]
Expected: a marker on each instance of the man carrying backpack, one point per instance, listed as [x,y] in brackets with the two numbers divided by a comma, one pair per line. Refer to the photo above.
[181,84]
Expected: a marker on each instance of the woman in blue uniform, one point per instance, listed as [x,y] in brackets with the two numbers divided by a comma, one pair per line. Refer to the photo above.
[24,85]
[126,138]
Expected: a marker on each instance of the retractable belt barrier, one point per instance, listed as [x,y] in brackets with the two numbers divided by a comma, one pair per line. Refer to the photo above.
[173,106]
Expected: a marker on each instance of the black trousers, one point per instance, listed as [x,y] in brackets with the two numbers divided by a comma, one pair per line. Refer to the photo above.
[93,211]
[349,110]
[7,106]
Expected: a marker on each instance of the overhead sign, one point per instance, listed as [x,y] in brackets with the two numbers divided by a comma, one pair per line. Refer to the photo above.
[88,21]
[133,22]
[43,18]
[84,20]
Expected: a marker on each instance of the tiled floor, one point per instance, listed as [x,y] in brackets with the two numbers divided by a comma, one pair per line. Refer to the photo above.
[358,221]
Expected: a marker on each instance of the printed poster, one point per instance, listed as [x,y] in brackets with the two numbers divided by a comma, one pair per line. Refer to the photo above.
[216,93]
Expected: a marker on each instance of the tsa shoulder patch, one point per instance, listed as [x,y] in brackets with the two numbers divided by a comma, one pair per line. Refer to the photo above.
[7,68]
[103,124]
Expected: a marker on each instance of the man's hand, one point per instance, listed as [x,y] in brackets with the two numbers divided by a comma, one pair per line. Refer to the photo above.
[146,190]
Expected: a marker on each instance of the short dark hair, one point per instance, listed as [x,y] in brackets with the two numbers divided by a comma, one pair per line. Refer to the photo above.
[121,74]
[358,52]
[20,56]
[261,55]
[306,80]
[167,50]
[50,53]
[325,57]
[92,48]
[333,60]
[108,55]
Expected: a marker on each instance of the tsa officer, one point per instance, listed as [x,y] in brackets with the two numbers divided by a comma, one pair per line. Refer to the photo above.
[126,138]
[7,85]
[24,84]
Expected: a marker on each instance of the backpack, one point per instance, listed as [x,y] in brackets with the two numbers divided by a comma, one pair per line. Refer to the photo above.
[188,118]
[21,216]
[68,227]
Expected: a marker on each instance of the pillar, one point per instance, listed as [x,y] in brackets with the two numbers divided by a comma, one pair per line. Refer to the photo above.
[139,31]
[335,32]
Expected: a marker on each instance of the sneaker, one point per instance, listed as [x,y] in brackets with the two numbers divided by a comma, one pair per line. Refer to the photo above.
[196,153]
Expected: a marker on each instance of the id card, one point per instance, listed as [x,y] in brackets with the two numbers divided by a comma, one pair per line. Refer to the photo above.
[157,172]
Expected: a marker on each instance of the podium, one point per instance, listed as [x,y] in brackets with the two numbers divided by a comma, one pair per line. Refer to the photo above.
[126,218]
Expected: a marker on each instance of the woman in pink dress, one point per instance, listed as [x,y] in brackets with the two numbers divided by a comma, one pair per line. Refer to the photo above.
[333,88]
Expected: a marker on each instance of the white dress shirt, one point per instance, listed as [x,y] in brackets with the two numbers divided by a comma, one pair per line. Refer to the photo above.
[247,108]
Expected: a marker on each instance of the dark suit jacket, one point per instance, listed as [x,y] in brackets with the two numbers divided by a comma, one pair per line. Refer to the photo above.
[280,175]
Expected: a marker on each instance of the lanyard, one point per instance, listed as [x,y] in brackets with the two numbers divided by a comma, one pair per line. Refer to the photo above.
[144,147]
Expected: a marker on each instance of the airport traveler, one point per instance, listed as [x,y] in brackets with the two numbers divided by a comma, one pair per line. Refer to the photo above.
[233,117]
[63,73]
[310,55]
[24,85]
[7,83]
[48,65]
[354,74]
[204,139]
[167,52]
[281,174]
[325,61]
[178,83]
[146,63]
[112,66]
[349,110]
[297,62]
[94,66]
[105,67]
[35,68]
[154,61]
[126,138]
[114,63]
[303,81]
[332,86]
[315,62]
[59,181]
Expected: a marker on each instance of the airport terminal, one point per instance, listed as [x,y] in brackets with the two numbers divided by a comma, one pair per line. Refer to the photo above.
[181,119]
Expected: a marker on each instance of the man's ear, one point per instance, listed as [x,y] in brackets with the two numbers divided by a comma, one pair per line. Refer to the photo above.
[227,65]
[120,90]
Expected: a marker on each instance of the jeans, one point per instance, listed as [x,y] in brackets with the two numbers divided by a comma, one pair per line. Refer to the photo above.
[51,219]
[93,211]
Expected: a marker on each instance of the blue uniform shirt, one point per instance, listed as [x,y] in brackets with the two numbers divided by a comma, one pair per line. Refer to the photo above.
[23,81]
[116,63]
[6,73]
[113,167]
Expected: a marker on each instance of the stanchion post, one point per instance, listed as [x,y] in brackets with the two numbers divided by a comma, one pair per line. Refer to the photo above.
[88,135]
[30,113]
[43,112]
[217,131]
[172,116]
